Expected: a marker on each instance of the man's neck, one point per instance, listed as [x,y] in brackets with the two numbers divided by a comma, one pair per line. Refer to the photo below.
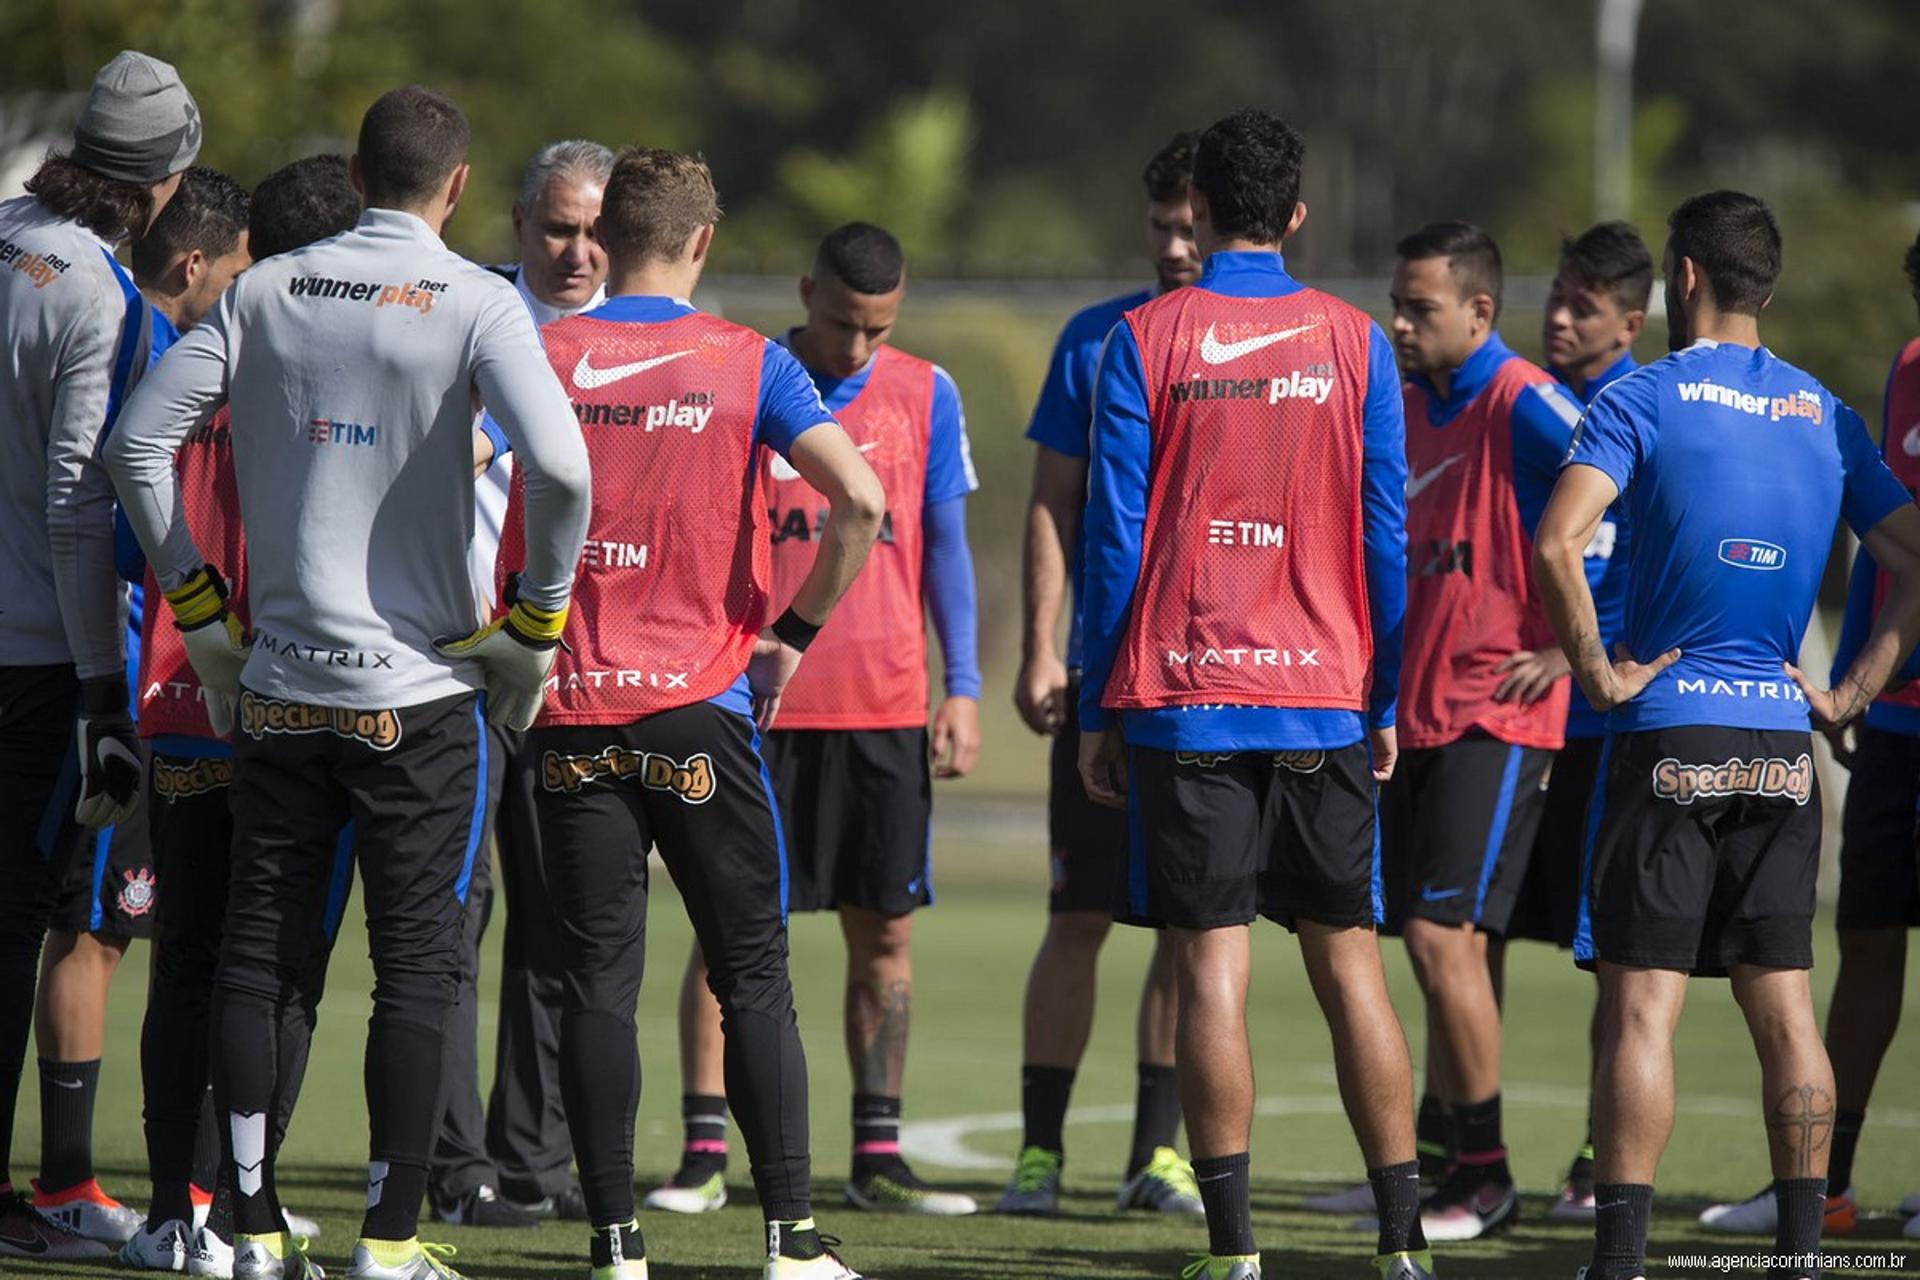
[1726,327]
[1244,246]
[653,279]
[433,214]
[800,342]
[1578,376]
[1443,380]
[166,304]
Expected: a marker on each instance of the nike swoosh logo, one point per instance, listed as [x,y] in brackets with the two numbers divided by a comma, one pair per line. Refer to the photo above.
[586,377]
[1214,351]
[1910,443]
[1429,894]
[1416,484]
[68,1084]
[783,470]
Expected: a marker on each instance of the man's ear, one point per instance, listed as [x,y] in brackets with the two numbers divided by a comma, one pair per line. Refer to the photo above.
[457,185]
[1299,216]
[191,269]
[1635,322]
[806,291]
[1484,308]
[701,242]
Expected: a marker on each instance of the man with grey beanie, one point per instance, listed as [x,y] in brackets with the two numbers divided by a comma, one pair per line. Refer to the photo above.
[74,342]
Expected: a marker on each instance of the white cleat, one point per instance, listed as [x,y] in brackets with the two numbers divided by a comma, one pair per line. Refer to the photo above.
[827,1266]
[274,1257]
[1346,1203]
[427,1260]
[1757,1215]
[209,1255]
[707,1197]
[90,1213]
[162,1249]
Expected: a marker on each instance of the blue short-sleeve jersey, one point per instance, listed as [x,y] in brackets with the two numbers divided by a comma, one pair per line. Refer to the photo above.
[1063,417]
[1733,466]
[1605,563]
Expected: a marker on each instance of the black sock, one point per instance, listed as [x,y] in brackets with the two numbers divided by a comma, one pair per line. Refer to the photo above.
[1043,1102]
[1433,1137]
[876,1134]
[1802,1205]
[67,1091]
[206,1147]
[1622,1211]
[1478,1149]
[619,1243]
[1225,1189]
[1846,1139]
[1396,1199]
[703,1118]
[1156,1114]
[1582,1168]
[396,1214]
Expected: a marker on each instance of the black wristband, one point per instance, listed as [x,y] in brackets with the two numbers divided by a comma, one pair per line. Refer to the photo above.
[792,629]
[104,695]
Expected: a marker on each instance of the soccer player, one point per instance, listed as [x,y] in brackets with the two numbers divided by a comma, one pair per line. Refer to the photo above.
[109,895]
[344,706]
[1483,698]
[849,754]
[192,767]
[650,732]
[1596,307]
[1879,879]
[511,1162]
[1242,630]
[1703,853]
[75,342]
[1089,841]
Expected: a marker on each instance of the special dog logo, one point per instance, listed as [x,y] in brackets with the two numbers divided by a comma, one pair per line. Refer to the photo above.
[692,781]
[179,781]
[1300,761]
[136,895]
[259,716]
[1685,783]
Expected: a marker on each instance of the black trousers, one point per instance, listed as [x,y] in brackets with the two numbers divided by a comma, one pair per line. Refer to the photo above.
[691,782]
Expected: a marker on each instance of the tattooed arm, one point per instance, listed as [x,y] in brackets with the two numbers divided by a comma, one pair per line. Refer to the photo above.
[1894,544]
[1579,500]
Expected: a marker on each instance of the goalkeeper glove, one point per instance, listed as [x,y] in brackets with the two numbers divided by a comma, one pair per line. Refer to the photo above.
[217,645]
[515,652]
[110,768]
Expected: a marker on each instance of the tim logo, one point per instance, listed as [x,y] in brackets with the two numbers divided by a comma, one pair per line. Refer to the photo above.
[1749,553]
[692,781]
[1246,533]
[327,431]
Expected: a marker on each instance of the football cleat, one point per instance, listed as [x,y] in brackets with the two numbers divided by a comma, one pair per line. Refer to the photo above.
[1759,1215]
[630,1269]
[702,1197]
[86,1211]
[1466,1208]
[900,1190]
[1356,1199]
[1413,1265]
[164,1248]
[1209,1266]
[202,1202]
[273,1257]
[209,1255]
[1166,1185]
[24,1233]
[618,1252]
[483,1207]
[1575,1203]
[414,1259]
[1035,1188]
[568,1204]
[784,1240]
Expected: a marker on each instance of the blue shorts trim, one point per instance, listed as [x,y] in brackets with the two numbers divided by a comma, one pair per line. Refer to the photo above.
[1596,805]
[1497,832]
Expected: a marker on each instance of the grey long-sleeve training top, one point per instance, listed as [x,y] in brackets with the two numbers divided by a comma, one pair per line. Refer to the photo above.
[73,339]
[353,368]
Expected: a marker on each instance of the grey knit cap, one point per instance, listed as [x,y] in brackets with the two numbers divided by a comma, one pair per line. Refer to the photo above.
[140,123]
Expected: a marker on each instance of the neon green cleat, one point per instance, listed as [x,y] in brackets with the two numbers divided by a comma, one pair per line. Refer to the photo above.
[1166,1185]
[277,1256]
[702,1197]
[1035,1188]
[1209,1266]
[402,1260]
[1416,1265]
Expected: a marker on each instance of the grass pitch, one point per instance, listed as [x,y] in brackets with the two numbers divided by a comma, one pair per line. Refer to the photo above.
[972,952]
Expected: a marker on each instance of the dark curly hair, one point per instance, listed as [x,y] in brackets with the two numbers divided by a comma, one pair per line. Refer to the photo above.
[112,209]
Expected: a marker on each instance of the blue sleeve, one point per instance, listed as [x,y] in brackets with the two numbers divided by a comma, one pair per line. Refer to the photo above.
[129,560]
[950,471]
[1116,520]
[1543,419]
[1616,432]
[947,570]
[492,431]
[1857,620]
[789,402]
[1061,415]
[1871,491]
[1384,515]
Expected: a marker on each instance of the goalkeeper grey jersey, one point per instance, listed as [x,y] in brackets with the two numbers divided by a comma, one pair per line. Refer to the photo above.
[353,368]
[74,332]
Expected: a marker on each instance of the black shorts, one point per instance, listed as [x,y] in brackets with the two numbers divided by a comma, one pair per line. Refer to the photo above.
[1879,866]
[855,807]
[1704,852]
[1221,837]
[39,781]
[689,781]
[1457,831]
[418,785]
[1086,842]
[111,887]
[1548,908]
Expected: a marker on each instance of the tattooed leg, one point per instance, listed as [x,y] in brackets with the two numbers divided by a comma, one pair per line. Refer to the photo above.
[1796,1078]
[879,998]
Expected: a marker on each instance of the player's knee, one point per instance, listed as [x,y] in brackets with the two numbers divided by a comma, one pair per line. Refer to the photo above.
[1077,932]
[1438,951]
[1865,954]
